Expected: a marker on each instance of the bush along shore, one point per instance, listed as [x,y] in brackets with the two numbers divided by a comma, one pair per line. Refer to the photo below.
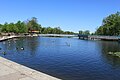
[117,54]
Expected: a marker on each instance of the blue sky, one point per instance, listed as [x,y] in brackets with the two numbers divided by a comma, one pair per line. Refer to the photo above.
[72,15]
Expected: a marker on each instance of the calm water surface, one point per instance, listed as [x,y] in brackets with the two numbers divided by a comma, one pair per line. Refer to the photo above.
[66,58]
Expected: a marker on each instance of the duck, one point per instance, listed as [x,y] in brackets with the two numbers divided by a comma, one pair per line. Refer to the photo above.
[68,44]
[4,53]
[16,48]
[22,48]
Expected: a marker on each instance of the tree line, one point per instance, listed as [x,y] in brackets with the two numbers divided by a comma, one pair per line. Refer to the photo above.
[29,26]
[86,32]
[110,25]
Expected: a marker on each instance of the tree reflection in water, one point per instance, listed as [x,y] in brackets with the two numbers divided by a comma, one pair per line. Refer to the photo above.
[110,46]
[21,45]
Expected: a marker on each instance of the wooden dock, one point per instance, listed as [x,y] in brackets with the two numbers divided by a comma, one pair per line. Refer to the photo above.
[97,37]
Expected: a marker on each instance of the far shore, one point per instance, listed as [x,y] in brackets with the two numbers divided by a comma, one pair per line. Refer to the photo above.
[6,36]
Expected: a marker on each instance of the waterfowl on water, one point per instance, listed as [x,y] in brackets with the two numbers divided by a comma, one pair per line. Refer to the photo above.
[53,41]
[22,48]
[4,53]
[68,44]
[16,47]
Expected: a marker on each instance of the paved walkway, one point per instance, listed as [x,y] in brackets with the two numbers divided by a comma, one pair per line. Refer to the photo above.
[12,71]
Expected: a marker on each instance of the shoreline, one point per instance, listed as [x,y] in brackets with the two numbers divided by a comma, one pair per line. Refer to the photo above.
[18,70]
[13,71]
[4,38]
[7,37]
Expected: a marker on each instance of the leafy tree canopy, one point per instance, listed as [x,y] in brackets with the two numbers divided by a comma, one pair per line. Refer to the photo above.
[110,25]
[30,26]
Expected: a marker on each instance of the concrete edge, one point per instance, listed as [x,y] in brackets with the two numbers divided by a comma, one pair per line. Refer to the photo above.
[27,71]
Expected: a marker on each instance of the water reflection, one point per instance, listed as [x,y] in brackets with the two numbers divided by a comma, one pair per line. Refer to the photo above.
[82,60]
[110,46]
[20,45]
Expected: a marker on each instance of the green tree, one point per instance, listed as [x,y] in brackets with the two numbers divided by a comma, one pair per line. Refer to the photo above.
[5,27]
[57,30]
[22,28]
[110,25]
[87,32]
[33,25]
[12,28]
[80,32]
[1,27]
[30,26]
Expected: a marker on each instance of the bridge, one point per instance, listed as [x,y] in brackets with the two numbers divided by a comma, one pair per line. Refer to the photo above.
[57,35]
[97,37]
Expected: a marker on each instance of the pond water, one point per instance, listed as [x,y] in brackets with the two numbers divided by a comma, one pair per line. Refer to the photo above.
[65,58]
